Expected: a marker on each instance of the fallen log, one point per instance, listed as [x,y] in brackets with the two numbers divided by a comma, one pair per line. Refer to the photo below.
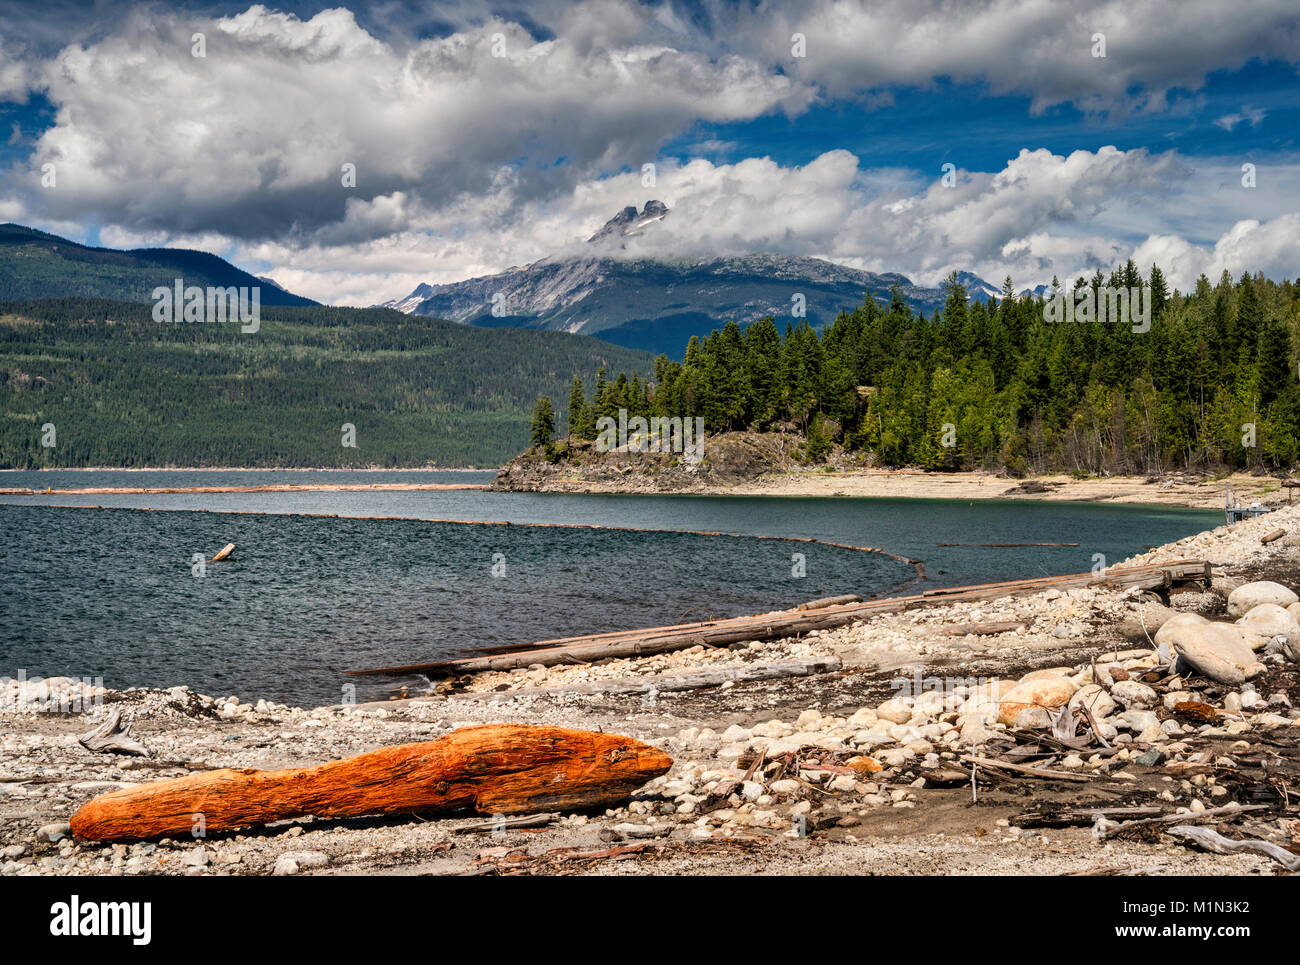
[492,769]
[672,683]
[1277,534]
[1025,769]
[826,601]
[1210,814]
[983,629]
[779,624]
[528,822]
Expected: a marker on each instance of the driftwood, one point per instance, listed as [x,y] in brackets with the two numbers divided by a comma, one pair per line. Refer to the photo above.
[1277,534]
[1005,545]
[113,737]
[826,601]
[670,683]
[1212,840]
[224,553]
[494,769]
[1080,817]
[1025,769]
[502,823]
[983,629]
[1228,810]
[779,624]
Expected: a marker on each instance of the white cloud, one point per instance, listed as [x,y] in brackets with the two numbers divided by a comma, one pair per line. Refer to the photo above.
[1254,116]
[469,163]
[1041,215]
[1033,47]
[250,139]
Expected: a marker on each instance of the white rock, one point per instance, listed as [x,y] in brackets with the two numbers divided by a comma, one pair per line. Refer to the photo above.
[1250,595]
[1095,698]
[291,862]
[1132,693]
[894,710]
[1224,652]
[1267,621]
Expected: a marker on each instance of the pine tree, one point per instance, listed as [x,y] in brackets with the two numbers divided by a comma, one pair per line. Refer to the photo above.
[577,403]
[543,423]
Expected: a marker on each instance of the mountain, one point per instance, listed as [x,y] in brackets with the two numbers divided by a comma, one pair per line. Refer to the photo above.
[656,304]
[629,222]
[123,390]
[34,264]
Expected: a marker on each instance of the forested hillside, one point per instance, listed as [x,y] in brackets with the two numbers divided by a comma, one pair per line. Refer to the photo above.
[1005,387]
[122,390]
[35,264]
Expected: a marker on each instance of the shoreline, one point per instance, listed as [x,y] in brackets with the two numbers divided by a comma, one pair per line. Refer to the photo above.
[249,469]
[1174,492]
[919,484]
[266,488]
[854,775]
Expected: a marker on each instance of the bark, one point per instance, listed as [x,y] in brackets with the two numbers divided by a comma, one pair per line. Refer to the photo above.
[493,769]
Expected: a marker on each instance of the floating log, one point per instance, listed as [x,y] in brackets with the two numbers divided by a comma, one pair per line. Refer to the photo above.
[224,553]
[492,769]
[780,623]
[1006,545]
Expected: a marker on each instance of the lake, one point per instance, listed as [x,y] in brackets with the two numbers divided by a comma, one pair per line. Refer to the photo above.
[113,593]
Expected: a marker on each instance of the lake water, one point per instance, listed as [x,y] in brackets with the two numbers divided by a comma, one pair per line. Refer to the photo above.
[111,593]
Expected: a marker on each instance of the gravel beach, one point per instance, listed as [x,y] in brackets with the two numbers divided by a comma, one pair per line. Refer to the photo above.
[865,768]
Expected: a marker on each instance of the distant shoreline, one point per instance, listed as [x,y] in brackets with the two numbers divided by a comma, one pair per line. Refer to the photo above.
[249,469]
[1174,492]
[1206,494]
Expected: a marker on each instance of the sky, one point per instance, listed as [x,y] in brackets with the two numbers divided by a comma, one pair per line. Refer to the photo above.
[1021,138]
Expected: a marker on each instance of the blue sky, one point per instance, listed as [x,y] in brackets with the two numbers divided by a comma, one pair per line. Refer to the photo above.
[489,135]
[964,123]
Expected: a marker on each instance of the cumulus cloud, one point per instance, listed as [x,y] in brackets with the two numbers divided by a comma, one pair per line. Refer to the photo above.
[16,72]
[498,139]
[1041,215]
[251,139]
[1041,49]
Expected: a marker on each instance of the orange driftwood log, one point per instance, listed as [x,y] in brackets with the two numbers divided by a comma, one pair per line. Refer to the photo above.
[494,769]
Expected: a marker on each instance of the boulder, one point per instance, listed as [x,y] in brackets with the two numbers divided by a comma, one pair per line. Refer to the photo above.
[1267,621]
[1250,595]
[1174,625]
[1132,693]
[1042,693]
[1095,698]
[894,710]
[1224,652]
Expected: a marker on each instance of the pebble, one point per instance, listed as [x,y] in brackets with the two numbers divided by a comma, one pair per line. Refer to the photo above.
[291,862]
[54,832]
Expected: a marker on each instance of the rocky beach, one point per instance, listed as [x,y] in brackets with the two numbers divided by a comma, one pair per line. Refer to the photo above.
[1078,731]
